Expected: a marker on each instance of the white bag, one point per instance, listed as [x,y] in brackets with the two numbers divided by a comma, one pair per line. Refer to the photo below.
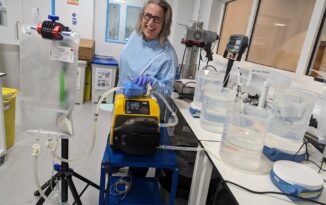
[48,82]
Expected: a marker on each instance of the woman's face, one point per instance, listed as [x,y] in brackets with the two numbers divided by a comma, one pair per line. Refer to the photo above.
[152,21]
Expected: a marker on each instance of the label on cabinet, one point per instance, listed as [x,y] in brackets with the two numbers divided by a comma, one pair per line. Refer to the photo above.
[103,79]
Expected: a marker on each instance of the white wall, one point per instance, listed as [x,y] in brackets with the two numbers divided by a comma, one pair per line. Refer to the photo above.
[30,7]
[216,12]
[9,64]
[209,12]
[9,54]
[299,80]
[91,16]
[85,16]
[102,47]
[182,13]
[84,11]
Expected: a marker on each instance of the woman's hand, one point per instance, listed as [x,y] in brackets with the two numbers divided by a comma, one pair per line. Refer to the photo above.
[131,90]
[144,80]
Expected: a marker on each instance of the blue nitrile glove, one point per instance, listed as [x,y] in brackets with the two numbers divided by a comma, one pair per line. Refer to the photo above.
[132,90]
[144,80]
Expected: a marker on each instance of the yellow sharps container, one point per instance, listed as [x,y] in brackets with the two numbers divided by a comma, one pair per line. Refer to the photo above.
[9,105]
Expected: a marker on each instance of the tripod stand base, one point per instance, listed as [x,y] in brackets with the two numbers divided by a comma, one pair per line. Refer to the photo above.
[65,176]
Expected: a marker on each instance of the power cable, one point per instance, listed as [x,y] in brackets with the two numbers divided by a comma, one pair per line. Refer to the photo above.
[184,85]
[295,155]
[319,167]
[268,192]
[209,66]
[114,189]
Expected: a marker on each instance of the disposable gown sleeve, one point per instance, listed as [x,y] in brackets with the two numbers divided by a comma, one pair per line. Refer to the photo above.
[163,81]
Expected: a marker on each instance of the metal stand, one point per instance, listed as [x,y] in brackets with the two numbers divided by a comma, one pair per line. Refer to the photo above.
[227,74]
[65,174]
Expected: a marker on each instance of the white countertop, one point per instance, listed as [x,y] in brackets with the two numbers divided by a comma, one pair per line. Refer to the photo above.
[256,182]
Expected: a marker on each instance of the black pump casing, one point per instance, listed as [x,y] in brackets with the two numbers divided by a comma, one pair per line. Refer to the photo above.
[136,135]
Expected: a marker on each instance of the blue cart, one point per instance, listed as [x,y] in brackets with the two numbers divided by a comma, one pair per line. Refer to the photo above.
[145,190]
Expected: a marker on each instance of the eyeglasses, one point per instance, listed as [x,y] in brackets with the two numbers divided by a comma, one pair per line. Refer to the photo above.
[148,17]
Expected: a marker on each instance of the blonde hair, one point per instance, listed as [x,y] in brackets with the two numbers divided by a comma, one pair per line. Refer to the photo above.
[167,19]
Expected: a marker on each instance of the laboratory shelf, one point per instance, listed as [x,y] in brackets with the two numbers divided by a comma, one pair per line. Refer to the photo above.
[144,190]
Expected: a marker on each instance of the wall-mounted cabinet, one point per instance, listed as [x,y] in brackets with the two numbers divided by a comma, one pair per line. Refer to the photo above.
[10,19]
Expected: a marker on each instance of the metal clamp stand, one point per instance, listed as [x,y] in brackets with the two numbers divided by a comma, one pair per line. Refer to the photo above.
[234,49]
[227,73]
[65,174]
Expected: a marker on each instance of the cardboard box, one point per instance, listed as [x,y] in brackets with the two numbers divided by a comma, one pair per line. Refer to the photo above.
[86,49]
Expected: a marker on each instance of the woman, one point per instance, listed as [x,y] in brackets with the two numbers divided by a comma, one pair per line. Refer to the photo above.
[148,56]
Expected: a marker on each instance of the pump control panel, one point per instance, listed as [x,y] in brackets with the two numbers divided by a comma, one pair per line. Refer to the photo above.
[236,47]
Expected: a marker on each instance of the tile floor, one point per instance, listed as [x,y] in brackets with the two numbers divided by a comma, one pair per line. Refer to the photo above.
[17,175]
[17,172]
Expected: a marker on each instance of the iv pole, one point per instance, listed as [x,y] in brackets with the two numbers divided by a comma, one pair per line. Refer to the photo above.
[64,172]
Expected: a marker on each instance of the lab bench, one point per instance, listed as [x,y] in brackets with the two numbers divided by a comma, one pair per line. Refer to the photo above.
[256,182]
[208,160]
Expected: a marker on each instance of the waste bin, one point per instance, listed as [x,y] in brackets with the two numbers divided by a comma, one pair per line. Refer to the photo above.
[88,83]
[80,85]
[103,77]
[9,105]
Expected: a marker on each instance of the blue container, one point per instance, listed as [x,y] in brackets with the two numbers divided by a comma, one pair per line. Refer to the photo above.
[105,61]
[104,71]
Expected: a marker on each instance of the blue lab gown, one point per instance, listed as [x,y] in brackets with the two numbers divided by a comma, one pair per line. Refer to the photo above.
[140,57]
